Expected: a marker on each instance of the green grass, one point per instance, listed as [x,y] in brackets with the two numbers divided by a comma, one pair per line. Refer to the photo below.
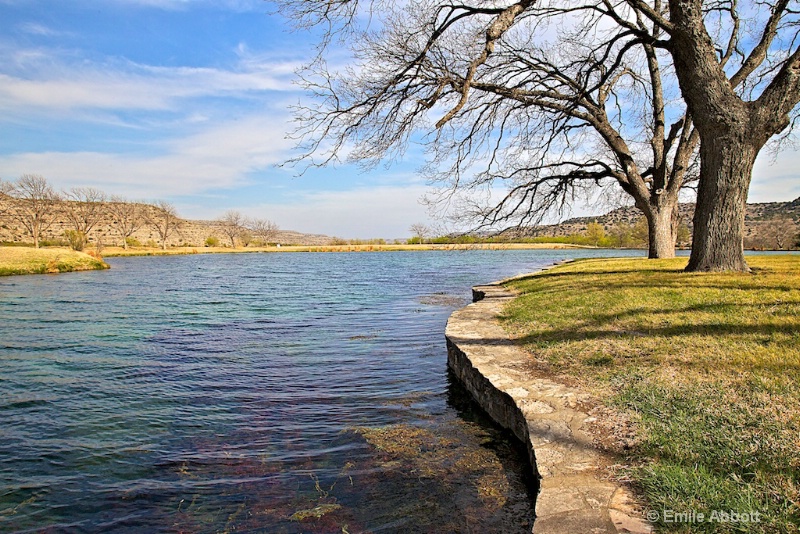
[706,364]
[28,260]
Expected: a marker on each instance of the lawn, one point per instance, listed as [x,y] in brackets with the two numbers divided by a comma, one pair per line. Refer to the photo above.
[28,260]
[707,367]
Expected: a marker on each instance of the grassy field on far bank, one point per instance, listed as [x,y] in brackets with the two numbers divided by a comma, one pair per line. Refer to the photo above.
[28,260]
[707,365]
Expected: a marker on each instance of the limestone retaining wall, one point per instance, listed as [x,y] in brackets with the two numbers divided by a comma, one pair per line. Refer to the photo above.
[576,493]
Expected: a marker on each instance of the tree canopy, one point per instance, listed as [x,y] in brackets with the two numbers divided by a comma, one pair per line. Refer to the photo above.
[549,98]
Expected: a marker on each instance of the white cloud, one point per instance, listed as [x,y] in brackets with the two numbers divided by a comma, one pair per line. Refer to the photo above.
[218,157]
[124,85]
[34,28]
[776,179]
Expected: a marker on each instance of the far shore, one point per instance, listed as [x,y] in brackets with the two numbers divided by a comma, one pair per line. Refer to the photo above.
[110,252]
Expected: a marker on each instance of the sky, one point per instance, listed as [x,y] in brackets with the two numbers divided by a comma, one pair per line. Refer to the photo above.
[190,101]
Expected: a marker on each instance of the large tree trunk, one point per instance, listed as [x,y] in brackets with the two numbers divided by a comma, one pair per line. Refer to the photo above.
[725,170]
[662,229]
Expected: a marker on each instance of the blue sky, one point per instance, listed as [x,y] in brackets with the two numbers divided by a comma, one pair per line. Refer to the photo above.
[188,101]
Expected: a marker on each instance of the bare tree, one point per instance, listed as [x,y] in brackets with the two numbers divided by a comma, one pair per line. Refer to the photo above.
[5,198]
[420,231]
[163,217]
[34,205]
[780,232]
[549,123]
[479,67]
[231,225]
[264,230]
[126,217]
[83,207]
[739,71]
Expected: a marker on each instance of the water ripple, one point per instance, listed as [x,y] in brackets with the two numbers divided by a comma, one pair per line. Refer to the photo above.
[205,393]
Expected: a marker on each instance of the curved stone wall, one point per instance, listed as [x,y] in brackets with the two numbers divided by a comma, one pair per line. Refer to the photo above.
[575,493]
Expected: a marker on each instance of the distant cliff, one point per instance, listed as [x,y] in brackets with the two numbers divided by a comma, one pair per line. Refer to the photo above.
[193,233]
[770,225]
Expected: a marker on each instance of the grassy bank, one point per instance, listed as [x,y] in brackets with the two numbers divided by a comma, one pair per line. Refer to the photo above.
[146,251]
[25,260]
[707,366]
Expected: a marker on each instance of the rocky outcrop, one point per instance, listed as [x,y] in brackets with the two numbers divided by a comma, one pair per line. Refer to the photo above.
[576,493]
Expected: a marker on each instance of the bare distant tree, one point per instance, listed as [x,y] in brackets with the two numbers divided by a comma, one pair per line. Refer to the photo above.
[163,217]
[420,231]
[231,225]
[126,217]
[782,231]
[83,207]
[34,205]
[264,230]
[5,198]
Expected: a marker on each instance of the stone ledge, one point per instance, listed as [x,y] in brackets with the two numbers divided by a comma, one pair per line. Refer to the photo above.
[575,492]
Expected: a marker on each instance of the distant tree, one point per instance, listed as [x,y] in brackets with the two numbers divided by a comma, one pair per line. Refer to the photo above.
[5,199]
[684,236]
[126,217]
[621,235]
[246,237]
[75,239]
[639,234]
[263,230]
[231,225]
[83,207]
[781,231]
[163,217]
[595,233]
[420,231]
[34,206]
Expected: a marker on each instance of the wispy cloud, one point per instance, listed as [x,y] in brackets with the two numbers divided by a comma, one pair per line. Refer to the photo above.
[34,28]
[48,82]
[775,177]
[180,5]
[221,156]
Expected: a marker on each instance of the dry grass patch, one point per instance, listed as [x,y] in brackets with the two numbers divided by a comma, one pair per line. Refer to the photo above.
[707,364]
[26,260]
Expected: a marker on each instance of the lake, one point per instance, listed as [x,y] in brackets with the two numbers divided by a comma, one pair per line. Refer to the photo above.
[281,392]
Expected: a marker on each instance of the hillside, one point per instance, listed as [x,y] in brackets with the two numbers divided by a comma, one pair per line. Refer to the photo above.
[768,225]
[191,233]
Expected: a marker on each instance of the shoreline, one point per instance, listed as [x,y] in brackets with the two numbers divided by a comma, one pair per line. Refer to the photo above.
[577,492]
[28,260]
[682,369]
[112,252]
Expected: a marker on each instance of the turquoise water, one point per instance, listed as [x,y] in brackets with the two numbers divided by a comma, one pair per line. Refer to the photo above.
[251,392]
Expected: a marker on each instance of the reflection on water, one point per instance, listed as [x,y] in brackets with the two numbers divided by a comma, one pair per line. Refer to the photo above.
[267,392]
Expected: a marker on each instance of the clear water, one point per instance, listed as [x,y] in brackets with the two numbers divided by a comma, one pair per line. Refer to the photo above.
[251,392]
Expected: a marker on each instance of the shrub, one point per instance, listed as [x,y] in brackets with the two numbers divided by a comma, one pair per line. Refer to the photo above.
[212,241]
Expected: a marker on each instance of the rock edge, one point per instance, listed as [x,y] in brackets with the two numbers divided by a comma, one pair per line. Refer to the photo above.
[575,493]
